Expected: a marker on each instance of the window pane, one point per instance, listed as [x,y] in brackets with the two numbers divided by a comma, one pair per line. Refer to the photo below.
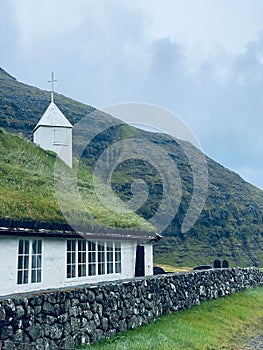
[101,257]
[109,257]
[20,262]
[39,247]
[92,246]
[109,267]
[69,258]
[39,262]
[82,270]
[25,279]
[21,247]
[68,271]
[92,269]
[26,262]
[26,251]
[33,276]
[34,247]
[73,271]
[20,277]
[82,245]
[34,265]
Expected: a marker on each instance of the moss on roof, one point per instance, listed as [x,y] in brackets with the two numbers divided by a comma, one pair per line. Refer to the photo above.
[27,191]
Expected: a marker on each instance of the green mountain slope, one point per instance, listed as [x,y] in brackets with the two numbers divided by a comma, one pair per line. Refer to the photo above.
[231,223]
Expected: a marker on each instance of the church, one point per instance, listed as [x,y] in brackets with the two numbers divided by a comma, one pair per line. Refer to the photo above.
[40,259]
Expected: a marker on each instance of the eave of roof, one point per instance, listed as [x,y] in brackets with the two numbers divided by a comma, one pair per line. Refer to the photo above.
[141,236]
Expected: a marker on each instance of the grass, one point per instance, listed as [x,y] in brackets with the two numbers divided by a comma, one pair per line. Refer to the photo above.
[27,188]
[224,323]
[170,268]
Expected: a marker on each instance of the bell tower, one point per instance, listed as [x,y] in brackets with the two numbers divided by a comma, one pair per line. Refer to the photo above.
[53,132]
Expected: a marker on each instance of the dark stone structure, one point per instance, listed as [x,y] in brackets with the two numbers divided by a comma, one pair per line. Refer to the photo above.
[202,267]
[62,319]
[217,264]
[225,264]
[158,270]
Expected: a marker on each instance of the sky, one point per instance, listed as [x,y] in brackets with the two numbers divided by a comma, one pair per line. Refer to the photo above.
[200,59]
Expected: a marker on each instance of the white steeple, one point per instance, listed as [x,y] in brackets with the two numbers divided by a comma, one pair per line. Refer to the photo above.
[54,132]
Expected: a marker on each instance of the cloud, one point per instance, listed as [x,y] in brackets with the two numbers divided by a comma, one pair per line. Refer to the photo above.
[9,33]
[131,51]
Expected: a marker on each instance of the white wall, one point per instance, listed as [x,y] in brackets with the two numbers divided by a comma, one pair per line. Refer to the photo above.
[148,256]
[8,265]
[45,137]
[54,265]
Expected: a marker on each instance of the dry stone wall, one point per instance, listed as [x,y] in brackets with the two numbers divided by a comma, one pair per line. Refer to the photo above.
[62,319]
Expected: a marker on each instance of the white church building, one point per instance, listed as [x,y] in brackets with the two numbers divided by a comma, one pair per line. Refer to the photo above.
[40,259]
[53,132]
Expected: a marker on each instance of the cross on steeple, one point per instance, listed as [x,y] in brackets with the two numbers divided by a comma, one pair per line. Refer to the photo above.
[52,81]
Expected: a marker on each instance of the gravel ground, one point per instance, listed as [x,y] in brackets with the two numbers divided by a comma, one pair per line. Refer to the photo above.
[255,344]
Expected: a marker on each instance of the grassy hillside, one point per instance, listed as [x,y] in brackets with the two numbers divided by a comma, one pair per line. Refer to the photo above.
[27,188]
[231,223]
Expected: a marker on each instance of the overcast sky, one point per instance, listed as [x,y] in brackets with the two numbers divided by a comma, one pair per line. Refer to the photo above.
[201,59]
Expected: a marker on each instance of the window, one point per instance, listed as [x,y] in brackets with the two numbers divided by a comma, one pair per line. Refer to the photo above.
[109,257]
[29,269]
[91,258]
[71,258]
[101,258]
[59,136]
[81,258]
[23,262]
[36,261]
[117,257]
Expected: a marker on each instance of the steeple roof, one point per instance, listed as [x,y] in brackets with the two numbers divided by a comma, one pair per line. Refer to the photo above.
[53,117]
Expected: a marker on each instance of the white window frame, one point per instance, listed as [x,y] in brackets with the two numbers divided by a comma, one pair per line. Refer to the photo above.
[110,263]
[117,261]
[81,266]
[101,258]
[93,258]
[36,258]
[30,268]
[72,264]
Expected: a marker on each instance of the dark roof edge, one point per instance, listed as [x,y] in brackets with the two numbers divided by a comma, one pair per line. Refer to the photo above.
[5,231]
